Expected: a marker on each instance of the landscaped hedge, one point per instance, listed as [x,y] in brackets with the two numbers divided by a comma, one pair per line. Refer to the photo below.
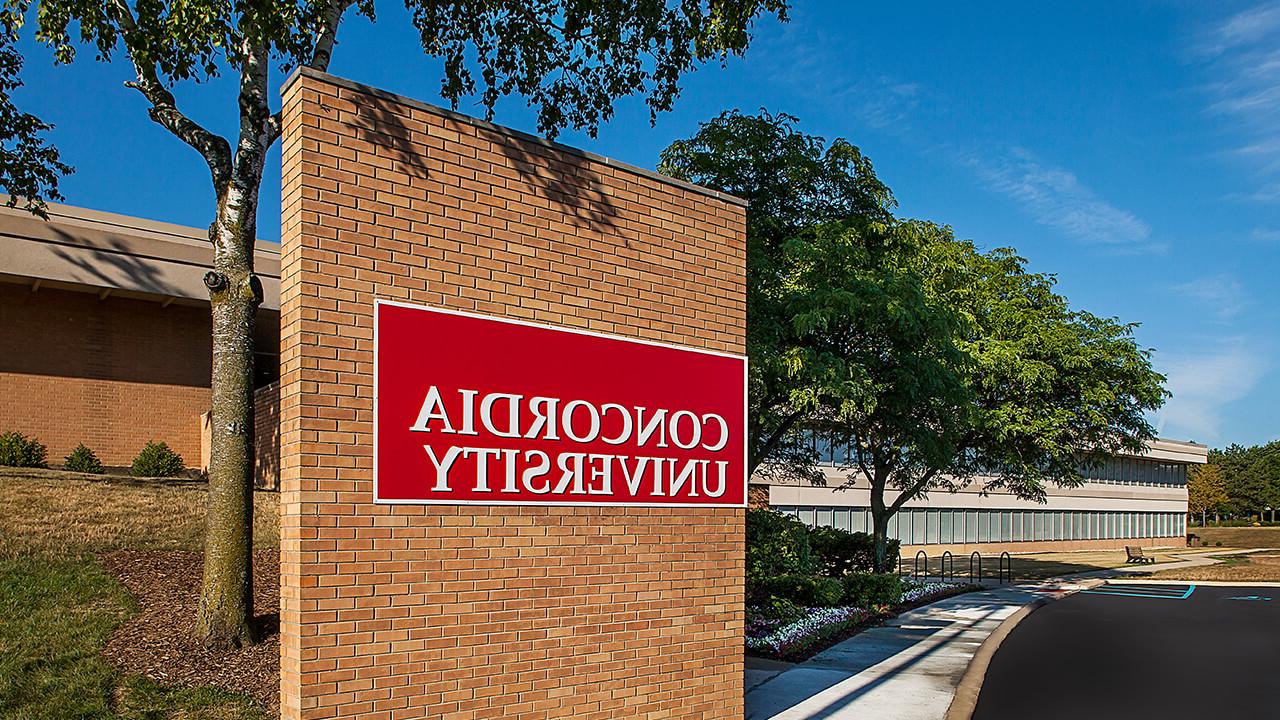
[840,552]
[804,590]
[18,450]
[777,544]
[865,589]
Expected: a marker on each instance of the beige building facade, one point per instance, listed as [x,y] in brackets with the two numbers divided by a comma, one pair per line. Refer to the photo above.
[1129,500]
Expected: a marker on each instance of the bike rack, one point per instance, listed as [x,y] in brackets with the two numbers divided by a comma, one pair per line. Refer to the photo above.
[975,556]
[1006,566]
[947,556]
[915,565]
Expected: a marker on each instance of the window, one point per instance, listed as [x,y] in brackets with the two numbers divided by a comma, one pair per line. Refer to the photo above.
[971,526]
[825,517]
[918,527]
[895,523]
[806,516]
[946,528]
[1006,525]
[1037,527]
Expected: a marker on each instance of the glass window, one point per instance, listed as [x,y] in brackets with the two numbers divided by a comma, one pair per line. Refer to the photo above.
[919,525]
[1037,526]
[842,517]
[822,444]
[984,526]
[971,526]
[946,531]
[895,523]
[825,517]
[807,515]
[1006,525]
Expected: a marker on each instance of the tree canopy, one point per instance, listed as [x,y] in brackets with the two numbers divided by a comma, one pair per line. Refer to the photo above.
[934,362]
[793,183]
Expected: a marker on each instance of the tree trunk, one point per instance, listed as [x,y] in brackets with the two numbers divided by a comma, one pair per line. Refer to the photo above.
[880,529]
[225,614]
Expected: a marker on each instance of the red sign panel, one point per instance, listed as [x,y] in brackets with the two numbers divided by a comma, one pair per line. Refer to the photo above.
[474,409]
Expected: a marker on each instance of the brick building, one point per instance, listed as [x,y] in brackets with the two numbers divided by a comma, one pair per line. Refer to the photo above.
[104,335]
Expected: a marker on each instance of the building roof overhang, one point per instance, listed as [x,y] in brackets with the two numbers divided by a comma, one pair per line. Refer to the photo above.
[101,252]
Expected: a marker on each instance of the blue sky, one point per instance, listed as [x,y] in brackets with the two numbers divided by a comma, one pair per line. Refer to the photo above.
[1131,148]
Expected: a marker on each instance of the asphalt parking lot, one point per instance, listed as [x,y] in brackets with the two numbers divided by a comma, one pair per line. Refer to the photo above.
[1138,651]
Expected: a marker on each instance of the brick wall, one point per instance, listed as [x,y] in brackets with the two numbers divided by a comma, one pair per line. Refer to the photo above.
[488,612]
[112,373]
[266,429]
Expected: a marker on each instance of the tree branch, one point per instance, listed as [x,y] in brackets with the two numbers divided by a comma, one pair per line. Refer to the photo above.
[164,109]
[325,41]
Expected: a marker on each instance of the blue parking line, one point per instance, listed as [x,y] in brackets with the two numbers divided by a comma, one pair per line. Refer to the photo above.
[1186,594]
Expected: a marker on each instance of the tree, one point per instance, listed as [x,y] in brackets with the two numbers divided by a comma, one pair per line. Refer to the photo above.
[937,364]
[963,367]
[571,58]
[29,166]
[793,182]
[1206,490]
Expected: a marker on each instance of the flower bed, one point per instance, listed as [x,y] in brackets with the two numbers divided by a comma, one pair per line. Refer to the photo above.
[817,629]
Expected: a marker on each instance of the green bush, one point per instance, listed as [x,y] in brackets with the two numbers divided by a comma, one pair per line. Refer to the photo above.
[157,460]
[865,589]
[777,544]
[83,460]
[840,552]
[18,450]
[776,608]
[805,590]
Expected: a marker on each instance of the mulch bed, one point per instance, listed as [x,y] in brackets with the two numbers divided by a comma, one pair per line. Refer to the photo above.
[158,642]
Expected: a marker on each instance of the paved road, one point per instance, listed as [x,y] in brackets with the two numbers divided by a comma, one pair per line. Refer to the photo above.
[1134,651]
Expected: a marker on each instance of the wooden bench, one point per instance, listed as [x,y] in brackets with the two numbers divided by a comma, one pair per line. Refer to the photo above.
[1136,556]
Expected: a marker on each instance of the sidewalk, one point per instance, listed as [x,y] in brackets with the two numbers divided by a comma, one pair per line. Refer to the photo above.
[907,669]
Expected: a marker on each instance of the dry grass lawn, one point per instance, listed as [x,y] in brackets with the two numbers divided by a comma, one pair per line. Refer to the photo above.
[1040,566]
[58,515]
[1239,537]
[1254,567]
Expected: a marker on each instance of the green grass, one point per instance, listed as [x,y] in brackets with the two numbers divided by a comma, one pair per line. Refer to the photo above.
[58,605]
[54,617]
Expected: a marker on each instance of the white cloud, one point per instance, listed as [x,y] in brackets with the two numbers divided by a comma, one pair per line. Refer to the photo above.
[1057,198]
[1242,58]
[1243,28]
[1204,385]
[1263,235]
[1221,293]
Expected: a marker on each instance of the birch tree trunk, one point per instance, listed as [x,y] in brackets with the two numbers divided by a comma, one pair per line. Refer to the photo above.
[224,617]
[225,614]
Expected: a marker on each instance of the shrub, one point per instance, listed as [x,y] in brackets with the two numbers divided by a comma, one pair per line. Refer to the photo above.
[840,552]
[83,460]
[157,460]
[776,608]
[18,450]
[806,590]
[777,544]
[868,589]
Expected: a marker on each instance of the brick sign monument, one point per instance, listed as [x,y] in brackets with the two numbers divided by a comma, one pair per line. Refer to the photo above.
[512,423]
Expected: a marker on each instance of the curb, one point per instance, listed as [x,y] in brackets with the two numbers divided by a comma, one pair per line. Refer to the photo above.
[965,699]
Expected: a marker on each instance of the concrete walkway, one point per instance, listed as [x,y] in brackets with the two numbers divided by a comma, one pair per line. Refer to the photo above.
[907,669]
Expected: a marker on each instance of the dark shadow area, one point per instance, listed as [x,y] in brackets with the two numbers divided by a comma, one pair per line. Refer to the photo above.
[565,177]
